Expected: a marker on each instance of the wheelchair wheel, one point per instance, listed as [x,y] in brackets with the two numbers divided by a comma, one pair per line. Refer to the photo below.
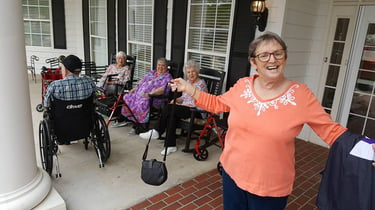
[46,147]
[39,107]
[101,139]
[202,156]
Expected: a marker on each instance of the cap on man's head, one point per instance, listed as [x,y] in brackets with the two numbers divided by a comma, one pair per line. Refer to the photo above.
[72,63]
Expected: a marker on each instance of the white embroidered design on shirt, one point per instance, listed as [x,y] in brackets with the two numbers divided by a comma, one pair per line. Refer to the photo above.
[285,99]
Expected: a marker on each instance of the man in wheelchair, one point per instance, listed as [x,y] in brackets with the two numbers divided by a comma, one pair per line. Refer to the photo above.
[70,115]
[72,86]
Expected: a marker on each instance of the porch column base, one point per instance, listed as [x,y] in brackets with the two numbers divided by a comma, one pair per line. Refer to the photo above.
[53,201]
[28,196]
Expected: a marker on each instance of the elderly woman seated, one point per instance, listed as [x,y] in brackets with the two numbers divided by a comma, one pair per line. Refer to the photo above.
[182,109]
[138,101]
[115,77]
[119,74]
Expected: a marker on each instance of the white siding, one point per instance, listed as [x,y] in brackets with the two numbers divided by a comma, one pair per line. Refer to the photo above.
[305,31]
[303,25]
[74,37]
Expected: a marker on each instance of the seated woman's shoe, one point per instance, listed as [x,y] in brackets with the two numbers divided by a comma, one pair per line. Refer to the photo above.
[119,124]
[146,135]
[169,150]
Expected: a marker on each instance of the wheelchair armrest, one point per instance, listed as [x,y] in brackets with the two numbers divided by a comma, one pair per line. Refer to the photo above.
[112,77]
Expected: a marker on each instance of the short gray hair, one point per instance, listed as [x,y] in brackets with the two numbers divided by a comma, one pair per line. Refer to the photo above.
[163,60]
[191,64]
[266,37]
[121,54]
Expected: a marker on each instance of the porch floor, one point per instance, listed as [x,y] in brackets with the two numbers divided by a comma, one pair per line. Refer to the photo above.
[205,191]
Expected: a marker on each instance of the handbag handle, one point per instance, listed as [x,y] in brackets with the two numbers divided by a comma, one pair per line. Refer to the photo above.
[144,157]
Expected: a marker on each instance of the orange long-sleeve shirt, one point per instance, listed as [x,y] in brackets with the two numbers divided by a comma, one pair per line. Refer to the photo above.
[259,145]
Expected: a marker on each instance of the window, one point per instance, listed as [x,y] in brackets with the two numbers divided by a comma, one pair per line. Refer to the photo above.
[37,22]
[140,30]
[98,31]
[209,25]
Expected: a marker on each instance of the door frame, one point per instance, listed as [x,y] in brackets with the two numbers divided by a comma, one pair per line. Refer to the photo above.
[337,12]
[355,59]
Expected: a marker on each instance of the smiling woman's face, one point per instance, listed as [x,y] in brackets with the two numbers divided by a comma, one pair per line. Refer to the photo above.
[274,67]
[161,67]
[191,74]
[120,61]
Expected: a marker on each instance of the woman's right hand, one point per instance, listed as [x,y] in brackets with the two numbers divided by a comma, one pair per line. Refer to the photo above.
[179,84]
[183,86]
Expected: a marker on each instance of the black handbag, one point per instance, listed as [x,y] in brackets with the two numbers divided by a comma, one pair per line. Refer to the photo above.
[153,172]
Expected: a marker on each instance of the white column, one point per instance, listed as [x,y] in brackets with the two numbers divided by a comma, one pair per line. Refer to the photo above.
[22,184]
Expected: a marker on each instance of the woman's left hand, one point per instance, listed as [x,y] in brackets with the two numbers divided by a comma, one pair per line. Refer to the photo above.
[373,147]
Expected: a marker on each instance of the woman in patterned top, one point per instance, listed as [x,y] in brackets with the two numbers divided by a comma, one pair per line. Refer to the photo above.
[182,109]
[120,71]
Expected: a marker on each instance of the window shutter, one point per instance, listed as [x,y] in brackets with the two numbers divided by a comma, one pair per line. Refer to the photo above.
[58,24]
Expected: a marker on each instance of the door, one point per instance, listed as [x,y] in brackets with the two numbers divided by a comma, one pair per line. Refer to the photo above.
[340,39]
[358,107]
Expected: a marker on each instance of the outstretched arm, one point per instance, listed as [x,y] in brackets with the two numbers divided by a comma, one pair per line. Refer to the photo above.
[183,86]
[209,102]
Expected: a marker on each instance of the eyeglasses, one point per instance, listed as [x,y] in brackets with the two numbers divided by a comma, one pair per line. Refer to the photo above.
[265,56]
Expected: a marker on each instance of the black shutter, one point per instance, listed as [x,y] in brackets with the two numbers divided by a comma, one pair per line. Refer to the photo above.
[58,24]
[243,33]
[179,18]
[111,28]
[160,29]
[85,26]
[121,26]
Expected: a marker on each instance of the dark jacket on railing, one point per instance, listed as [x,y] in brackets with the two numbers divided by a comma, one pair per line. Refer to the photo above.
[348,182]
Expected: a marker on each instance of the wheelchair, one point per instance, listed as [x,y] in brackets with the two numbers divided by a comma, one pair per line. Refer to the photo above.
[66,121]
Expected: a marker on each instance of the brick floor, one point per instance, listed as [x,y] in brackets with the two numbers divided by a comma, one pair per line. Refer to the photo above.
[204,192]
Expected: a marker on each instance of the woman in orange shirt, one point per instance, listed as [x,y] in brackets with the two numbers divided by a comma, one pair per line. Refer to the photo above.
[266,113]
